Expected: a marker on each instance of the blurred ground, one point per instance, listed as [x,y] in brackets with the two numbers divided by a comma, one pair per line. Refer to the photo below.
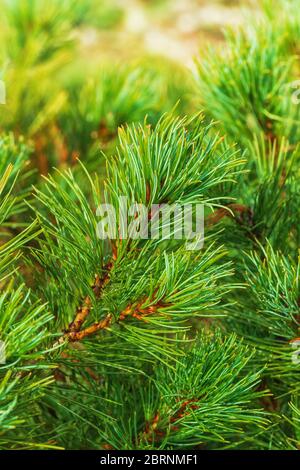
[177,29]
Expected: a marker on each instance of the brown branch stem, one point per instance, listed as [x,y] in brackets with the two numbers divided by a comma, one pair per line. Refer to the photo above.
[85,309]
[90,330]
[74,332]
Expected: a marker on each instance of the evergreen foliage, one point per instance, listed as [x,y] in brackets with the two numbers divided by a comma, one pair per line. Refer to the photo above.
[141,343]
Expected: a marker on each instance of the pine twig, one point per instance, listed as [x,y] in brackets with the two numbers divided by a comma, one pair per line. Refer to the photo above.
[84,311]
[90,330]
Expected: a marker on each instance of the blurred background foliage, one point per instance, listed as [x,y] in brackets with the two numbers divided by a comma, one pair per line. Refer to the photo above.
[76,70]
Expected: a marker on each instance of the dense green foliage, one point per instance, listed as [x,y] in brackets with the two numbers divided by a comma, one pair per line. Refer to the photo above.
[143,344]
